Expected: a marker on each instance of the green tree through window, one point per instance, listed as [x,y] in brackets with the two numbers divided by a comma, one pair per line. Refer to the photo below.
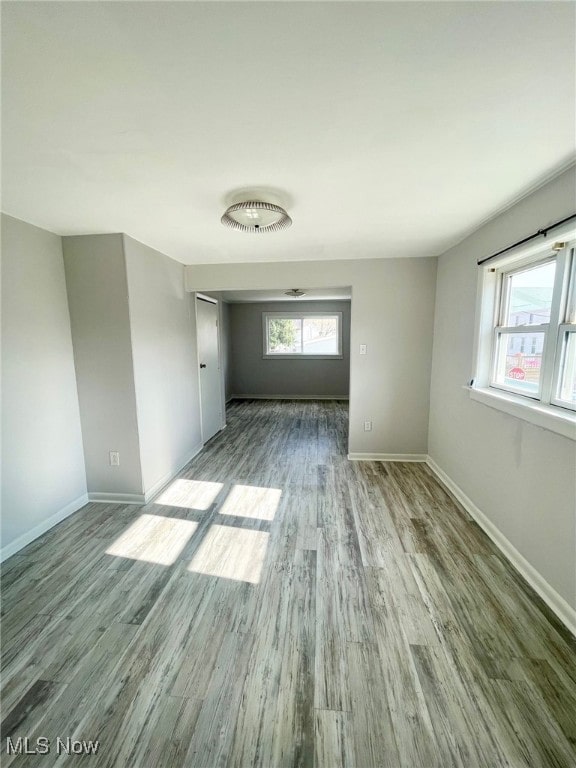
[281,333]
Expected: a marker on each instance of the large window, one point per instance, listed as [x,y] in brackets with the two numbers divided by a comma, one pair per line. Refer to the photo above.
[532,349]
[302,334]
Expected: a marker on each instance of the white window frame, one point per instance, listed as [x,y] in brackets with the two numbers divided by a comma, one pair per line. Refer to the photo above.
[500,329]
[299,355]
[544,408]
[561,351]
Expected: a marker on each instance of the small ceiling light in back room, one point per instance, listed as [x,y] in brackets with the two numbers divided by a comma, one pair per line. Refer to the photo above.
[256,216]
[294,293]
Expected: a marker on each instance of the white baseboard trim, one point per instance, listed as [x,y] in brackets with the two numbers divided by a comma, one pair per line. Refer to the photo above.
[553,600]
[116,498]
[421,457]
[94,497]
[34,533]
[143,498]
[159,485]
[288,397]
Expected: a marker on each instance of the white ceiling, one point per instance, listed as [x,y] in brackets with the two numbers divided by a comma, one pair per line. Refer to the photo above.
[386,129]
[312,294]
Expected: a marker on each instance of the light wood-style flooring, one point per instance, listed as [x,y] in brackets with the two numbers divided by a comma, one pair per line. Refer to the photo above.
[278,605]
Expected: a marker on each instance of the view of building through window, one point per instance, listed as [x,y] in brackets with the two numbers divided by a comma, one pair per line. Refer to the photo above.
[534,341]
[529,302]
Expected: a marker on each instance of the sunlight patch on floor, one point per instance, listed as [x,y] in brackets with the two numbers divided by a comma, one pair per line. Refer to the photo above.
[231,553]
[191,494]
[252,501]
[154,539]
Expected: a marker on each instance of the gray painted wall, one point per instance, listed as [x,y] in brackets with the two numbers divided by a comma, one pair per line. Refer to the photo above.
[250,374]
[43,476]
[522,477]
[163,332]
[98,299]
[226,350]
[392,313]
[134,335]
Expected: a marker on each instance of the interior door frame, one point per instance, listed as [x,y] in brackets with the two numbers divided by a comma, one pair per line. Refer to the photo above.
[209,300]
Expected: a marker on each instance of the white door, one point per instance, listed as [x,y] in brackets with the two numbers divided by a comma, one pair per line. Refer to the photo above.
[208,358]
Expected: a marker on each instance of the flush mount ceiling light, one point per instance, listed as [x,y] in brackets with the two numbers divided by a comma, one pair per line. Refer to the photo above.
[256,216]
[294,293]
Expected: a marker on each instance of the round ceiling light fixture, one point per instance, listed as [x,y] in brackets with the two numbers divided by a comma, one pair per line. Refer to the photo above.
[294,293]
[256,216]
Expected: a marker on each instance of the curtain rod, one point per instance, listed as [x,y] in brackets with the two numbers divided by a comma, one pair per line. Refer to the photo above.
[541,232]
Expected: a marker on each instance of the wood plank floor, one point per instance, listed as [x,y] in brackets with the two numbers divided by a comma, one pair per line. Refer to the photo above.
[278,605]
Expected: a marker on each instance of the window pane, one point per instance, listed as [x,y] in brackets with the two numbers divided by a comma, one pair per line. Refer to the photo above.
[518,361]
[530,295]
[568,381]
[284,335]
[571,307]
[320,336]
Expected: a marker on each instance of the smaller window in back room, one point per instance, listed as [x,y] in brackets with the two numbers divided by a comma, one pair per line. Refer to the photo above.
[302,334]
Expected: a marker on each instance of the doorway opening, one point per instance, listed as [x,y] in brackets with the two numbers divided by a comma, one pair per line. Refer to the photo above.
[272,346]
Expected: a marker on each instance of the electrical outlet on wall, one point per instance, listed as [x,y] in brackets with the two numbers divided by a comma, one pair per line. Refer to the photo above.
[367,426]
[114,459]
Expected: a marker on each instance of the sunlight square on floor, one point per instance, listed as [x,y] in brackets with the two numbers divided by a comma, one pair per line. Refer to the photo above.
[190,494]
[154,539]
[233,553]
[252,501]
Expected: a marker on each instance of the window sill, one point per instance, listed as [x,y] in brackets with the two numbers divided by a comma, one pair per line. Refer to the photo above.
[549,417]
[302,357]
